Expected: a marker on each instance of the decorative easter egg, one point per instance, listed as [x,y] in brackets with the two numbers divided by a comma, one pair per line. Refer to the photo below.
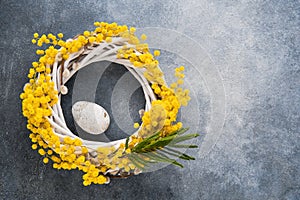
[91,117]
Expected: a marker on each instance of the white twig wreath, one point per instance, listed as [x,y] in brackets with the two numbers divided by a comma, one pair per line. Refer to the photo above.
[156,139]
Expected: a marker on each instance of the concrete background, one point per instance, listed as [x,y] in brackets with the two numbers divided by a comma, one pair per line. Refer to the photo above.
[253,44]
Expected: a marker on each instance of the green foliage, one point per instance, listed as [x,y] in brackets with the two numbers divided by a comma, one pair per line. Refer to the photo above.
[156,149]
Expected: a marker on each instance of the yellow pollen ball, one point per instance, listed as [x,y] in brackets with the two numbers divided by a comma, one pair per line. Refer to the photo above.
[128,150]
[96,23]
[34,146]
[136,125]
[143,37]
[156,53]
[132,29]
[108,39]
[46,160]
[42,152]
[86,33]
[35,35]
[60,35]
[35,64]
[92,39]
[180,81]
[49,152]
[86,183]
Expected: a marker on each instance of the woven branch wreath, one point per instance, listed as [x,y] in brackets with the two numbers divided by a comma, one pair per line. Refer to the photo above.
[157,139]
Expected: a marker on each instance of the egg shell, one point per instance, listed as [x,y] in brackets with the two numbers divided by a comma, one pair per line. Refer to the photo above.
[91,117]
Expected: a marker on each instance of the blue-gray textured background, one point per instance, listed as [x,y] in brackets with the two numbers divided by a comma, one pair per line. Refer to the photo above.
[254,45]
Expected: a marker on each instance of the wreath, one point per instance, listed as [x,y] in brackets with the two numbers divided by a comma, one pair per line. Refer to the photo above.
[156,140]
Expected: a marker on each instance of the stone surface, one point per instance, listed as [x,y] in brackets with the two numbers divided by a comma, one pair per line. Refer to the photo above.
[254,46]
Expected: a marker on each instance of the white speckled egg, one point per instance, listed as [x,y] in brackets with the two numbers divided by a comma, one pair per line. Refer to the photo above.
[91,117]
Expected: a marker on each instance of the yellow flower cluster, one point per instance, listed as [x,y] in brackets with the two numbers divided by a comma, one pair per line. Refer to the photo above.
[182,95]
[153,120]
[142,58]
[134,141]
[163,113]
[46,39]
[103,32]
[49,54]
[38,94]
[162,116]
[93,175]
[112,158]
